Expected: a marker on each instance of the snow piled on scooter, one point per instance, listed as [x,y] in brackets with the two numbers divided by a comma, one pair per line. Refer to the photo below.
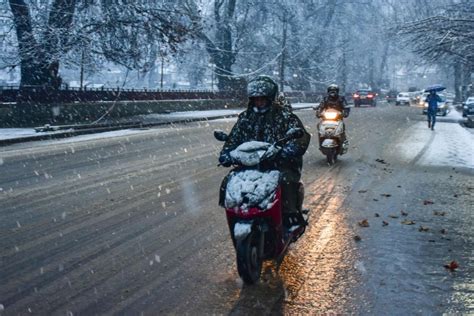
[252,188]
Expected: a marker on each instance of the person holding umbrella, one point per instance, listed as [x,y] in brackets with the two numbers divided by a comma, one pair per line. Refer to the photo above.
[433,99]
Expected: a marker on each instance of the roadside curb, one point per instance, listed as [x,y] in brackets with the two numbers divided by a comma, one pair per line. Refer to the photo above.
[83,131]
[72,132]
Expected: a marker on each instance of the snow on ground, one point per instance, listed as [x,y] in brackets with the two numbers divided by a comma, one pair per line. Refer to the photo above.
[81,138]
[303,105]
[449,144]
[10,133]
[453,145]
[192,114]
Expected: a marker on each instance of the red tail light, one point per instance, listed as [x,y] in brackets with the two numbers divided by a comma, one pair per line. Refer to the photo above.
[370,96]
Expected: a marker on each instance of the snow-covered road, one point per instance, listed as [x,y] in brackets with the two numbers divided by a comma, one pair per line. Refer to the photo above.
[129,224]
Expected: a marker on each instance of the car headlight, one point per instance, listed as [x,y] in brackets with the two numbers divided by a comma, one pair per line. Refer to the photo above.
[465,107]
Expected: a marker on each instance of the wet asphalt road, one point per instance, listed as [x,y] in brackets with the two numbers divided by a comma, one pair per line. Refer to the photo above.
[131,225]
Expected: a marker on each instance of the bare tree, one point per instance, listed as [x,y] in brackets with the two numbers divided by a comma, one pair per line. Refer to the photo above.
[126,34]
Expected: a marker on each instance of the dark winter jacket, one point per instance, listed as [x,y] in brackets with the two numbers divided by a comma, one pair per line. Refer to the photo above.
[338,103]
[271,127]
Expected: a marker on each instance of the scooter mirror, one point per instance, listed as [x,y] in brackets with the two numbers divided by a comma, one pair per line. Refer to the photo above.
[221,135]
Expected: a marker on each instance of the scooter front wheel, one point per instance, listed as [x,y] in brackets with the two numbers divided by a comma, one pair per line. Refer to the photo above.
[249,262]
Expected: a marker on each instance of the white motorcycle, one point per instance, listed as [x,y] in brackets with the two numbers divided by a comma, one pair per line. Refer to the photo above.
[330,130]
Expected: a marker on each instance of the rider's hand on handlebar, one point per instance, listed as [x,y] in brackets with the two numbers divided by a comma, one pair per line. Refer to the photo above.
[226,160]
[289,151]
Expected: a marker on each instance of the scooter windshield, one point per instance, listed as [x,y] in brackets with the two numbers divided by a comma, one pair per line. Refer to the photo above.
[249,153]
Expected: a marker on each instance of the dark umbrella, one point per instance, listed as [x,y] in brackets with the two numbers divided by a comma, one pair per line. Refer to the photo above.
[435,87]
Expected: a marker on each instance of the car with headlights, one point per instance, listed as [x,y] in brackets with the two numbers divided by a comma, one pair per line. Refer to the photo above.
[443,108]
[391,96]
[364,96]
[468,107]
[403,98]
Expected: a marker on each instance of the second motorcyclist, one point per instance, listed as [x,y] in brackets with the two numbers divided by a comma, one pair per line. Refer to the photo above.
[334,101]
[265,121]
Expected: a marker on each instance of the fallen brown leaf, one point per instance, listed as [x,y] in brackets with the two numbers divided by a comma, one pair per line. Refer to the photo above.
[404,213]
[427,202]
[386,195]
[384,223]
[423,229]
[453,265]
[364,223]
[443,231]
[357,238]
[439,213]
[408,222]
[375,200]
[362,191]
[377,215]
[393,216]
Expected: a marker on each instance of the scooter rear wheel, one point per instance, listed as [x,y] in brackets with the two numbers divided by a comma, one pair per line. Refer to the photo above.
[331,157]
[249,262]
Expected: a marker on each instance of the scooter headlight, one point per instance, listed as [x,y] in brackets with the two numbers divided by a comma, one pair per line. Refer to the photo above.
[330,115]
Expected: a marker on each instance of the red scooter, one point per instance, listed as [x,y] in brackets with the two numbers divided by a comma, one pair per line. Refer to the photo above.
[254,207]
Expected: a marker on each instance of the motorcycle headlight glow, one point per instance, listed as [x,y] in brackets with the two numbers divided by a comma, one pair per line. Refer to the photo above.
[330,115]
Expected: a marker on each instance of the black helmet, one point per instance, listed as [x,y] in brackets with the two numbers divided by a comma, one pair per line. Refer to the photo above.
[333,87]
[262,86]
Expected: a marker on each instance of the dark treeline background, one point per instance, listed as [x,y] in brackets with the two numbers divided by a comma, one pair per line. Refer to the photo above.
[218,44]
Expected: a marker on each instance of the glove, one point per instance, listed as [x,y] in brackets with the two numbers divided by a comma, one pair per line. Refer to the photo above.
[225,160]
[289,151]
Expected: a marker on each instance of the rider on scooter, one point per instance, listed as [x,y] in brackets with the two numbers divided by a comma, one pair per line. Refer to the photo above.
[334,101]
[265,121]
